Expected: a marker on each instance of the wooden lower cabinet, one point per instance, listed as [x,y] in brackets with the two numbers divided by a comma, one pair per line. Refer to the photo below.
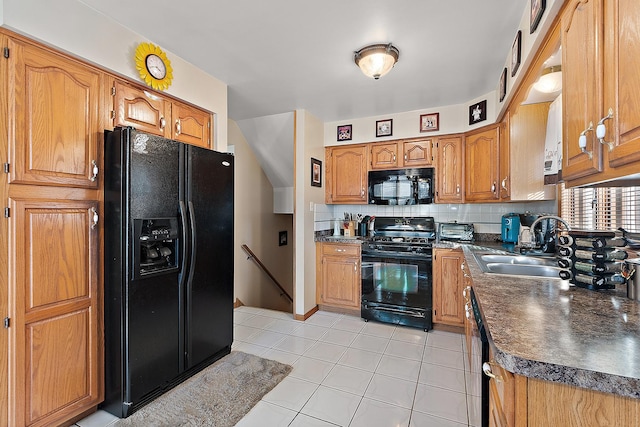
[519,401]
[338,282]
[55,340]
[448,282]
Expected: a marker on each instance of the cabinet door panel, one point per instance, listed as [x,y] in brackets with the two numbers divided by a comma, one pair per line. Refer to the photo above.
[622,67]
[482,165]
[418,153]
[55,334]
[340,281]
[581,85]
[384,156]
[57,350]
[448,281]
[346,174]
[142,110]
[54,105]
[449,170]
[190,125]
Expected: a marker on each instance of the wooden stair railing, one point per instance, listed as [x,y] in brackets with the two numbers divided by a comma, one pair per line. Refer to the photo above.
[255,259]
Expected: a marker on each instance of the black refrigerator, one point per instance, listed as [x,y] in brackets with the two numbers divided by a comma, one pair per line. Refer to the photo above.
[168,265]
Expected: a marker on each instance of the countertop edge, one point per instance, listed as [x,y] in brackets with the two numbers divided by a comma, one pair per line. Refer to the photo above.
[564,374]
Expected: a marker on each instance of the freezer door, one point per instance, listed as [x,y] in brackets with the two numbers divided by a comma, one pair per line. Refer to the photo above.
[209,289]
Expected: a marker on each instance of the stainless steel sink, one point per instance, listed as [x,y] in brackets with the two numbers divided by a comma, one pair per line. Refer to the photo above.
[517,259]
[518,265]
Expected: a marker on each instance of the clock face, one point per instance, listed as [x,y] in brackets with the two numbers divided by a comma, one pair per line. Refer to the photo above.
[156,67]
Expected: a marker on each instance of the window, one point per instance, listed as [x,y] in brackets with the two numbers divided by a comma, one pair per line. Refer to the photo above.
[603,208]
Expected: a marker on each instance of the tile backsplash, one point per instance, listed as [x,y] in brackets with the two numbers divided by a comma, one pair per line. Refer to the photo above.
[486,217]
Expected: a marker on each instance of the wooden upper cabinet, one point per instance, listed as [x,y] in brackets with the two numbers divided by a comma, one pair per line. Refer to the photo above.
[384,155]
[482,149]
[56,369]
[346,174]
[418,153]
[582,33]
[152,113]
[409,153]
[54,107]
[191,125]
[449,170]
[141,109]
[622,87]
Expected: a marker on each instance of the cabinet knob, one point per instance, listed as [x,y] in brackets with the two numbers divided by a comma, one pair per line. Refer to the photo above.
[582,141]
[504,183]
[178,127]
[486,368]
[94,171]
[601,130]
[394,157]
[362,193]
[163,122]
[94,218]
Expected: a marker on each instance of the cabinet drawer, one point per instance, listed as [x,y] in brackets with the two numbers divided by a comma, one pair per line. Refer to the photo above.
[340,249]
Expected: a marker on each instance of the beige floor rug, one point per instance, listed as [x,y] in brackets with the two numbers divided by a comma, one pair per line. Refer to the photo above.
[220,395]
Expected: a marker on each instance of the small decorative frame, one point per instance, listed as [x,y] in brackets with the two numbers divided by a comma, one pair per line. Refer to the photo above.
[537,10]
[429,122]
[316,173]
[516,54]
[384,127]
[503,84]
[478,112]
[344,133]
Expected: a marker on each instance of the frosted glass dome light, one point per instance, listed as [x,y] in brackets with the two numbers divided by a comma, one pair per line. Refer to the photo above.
[376,60]
[550,81]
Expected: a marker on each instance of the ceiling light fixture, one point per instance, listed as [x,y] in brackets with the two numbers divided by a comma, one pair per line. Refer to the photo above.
[550,81]
[376,60]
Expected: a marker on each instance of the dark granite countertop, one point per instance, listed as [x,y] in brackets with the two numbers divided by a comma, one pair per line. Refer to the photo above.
[546,329]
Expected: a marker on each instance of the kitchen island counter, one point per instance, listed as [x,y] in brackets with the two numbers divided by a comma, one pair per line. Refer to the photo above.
[544,328]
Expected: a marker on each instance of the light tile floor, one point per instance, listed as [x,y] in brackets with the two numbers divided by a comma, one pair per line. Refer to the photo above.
[347,372]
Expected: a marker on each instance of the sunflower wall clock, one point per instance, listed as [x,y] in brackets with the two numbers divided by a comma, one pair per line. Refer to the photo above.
[154,66]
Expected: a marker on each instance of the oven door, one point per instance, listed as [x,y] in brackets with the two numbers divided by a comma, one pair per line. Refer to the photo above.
[400,280]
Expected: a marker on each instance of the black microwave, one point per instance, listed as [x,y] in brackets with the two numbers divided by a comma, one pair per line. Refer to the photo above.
[401,187]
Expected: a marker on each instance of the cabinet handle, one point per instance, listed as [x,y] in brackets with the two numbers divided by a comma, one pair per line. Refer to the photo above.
[355,267]
[462,266]
[163,123]
[405,157]
[601,130]
[362,193]
[493,187]
[465,293]
[582,141]
[504,183]
[94,171]
[94,218]
[178,127]
[458,189]
[486,368]
[341,250]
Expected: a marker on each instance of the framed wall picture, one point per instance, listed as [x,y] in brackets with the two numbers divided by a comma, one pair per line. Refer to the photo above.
[384,127]
[316,173]
[516,53]
[429,122]
[503,84]
[344,133]
[478,112]
[537,9]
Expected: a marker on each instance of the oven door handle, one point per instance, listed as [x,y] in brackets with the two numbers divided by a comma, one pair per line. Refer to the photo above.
[395,310]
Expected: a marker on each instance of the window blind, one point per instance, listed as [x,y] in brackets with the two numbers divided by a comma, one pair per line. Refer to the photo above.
[603,208]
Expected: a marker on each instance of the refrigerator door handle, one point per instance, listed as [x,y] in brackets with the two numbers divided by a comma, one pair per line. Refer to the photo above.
[185,238]
[192,255]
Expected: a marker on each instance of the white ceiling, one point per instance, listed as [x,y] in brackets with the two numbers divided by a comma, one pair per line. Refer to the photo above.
[280,55]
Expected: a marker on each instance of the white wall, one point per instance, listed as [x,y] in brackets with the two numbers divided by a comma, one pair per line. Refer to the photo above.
[72,26]
[257,227]
[308,144]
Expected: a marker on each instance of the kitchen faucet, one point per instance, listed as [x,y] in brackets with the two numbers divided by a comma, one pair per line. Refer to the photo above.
[528,235]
